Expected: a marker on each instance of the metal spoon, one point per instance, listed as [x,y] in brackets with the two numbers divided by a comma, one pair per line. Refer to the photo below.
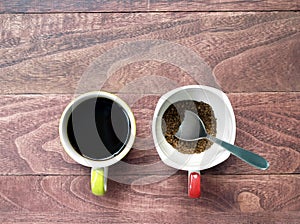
[192,129]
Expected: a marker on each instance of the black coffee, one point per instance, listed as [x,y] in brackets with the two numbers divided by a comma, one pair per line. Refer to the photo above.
[98,128]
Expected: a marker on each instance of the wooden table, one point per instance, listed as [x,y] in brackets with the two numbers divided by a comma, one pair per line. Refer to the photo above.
[253,48]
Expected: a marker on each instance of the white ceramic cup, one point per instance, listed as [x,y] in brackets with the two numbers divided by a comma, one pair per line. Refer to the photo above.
[99,169]
[194,163]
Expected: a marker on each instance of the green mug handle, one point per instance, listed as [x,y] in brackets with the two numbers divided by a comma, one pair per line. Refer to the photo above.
[99,180]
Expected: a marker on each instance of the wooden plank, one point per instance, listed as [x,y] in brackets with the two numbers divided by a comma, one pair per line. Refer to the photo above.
[148,217]
[230,194]
[266,64]
[17,6]
[267,123]
[48,53]
[223,5]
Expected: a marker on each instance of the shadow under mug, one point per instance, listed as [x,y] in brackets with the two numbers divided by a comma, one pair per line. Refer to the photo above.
[97,129]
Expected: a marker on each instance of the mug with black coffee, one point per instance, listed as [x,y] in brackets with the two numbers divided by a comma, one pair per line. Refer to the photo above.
[97,129]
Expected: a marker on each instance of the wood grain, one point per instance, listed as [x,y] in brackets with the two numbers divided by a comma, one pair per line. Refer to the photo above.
[48,53]
[231,194]
[223,5]
[247,82]
[157,216]
[267,123]
[251,198]
[252,52]
[18,6]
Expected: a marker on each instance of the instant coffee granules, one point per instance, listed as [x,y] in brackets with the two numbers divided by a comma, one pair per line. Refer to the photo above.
[173,117]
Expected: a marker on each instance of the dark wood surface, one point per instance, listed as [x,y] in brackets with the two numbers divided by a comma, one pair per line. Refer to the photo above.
[267,123]
[57,48]
[19,6]
[253,49]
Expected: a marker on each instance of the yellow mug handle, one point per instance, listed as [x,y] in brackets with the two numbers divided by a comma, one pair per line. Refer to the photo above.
[99,180]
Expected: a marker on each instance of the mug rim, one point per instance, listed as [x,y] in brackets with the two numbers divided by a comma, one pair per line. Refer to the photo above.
[64,136]
[163,99]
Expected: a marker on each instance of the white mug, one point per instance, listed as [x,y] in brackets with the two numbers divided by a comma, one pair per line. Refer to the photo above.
[194,163]
[99,167]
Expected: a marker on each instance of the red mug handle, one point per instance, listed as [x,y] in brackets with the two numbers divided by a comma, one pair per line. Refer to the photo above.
[194,184]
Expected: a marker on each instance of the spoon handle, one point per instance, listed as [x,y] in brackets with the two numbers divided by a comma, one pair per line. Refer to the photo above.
[245,155]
